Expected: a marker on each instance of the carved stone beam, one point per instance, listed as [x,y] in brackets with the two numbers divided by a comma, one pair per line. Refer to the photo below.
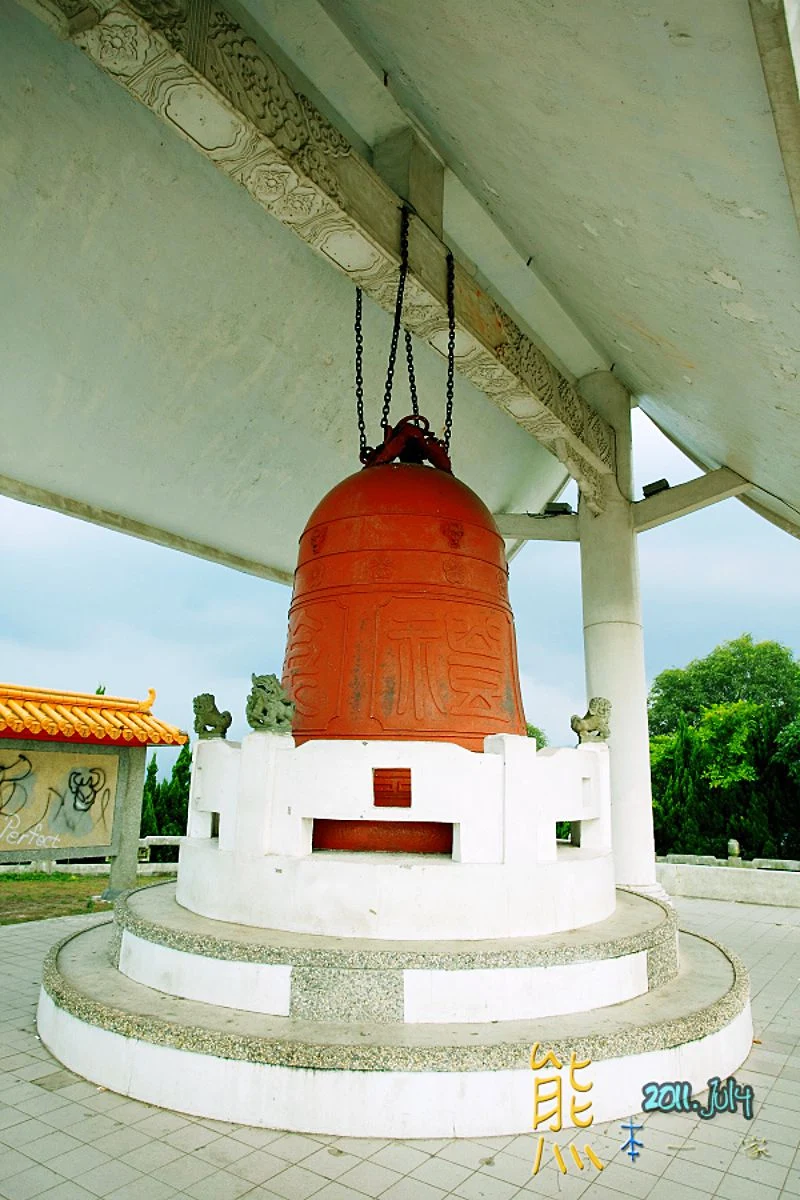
[688,498]
[196,68]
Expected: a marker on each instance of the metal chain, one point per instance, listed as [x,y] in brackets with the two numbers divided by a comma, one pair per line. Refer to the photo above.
[451,348]
[412,379]
[412,382]
[398,310]
[362,428]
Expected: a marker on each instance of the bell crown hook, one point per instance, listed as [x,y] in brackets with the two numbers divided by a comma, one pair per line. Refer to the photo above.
[409,441]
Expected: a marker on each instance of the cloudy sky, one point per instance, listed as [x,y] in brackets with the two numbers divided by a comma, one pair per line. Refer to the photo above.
[80,605]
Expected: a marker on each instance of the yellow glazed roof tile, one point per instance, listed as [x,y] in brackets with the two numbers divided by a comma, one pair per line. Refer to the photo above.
[78,716]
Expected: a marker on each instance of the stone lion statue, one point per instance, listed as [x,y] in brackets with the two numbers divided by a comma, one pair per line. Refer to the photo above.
[269,709]
[209,722]
[594,726]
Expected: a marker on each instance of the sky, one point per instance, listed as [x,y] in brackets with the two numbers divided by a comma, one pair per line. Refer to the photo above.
[81,605]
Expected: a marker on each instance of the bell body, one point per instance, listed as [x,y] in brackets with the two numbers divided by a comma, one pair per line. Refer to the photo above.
[400,626]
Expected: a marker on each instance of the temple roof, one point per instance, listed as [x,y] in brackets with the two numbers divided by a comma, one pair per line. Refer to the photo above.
[80,717]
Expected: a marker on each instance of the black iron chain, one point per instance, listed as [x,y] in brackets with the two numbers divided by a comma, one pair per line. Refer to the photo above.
[412,379]
[398,312]
[451,348]
[362,427]
[412,382]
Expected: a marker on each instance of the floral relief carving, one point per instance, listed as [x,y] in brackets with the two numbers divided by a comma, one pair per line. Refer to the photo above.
[317,539]
[278,188]
[286,154]
[316,574]
[258,88]
[599,437]
[455,571]
[589,480]
[453,532]
[322,133]
[168,17]
[527,362]
[118,46]
[71,8]
[571,408]
[544,427]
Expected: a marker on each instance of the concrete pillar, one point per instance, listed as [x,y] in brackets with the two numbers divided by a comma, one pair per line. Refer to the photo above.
[127,819]
[614,643]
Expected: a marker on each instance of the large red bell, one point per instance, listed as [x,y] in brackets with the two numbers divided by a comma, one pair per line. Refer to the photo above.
[400,626]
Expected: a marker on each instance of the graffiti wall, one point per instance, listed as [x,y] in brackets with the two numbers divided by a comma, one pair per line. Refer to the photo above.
[56,799]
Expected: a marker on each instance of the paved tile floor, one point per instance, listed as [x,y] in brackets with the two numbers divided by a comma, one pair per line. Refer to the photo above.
[64,1139]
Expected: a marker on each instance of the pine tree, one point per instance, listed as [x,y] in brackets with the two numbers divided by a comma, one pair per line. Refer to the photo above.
[681,794]
[174,797]
[150,800]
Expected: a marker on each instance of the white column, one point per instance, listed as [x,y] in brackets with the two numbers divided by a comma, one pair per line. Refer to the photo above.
[614,643]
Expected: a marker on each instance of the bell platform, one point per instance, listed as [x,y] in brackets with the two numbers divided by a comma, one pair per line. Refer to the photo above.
[382,1040]
[392,995]
[250,858]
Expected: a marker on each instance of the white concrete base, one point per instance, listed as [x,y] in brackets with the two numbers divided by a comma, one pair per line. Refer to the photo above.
[429,996]
[390,1104]
[507,875]
[519,993]
[402,897]
[253,987]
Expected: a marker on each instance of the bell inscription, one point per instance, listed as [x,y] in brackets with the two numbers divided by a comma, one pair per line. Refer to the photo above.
[400,627]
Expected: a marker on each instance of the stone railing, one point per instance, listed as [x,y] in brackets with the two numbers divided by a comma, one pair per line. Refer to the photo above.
[757,881]
[101,867]
[263,796]
[734,860]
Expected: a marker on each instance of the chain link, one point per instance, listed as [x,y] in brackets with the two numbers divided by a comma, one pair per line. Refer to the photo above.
[412,381]
[398,310]
[451,348]
[362,427]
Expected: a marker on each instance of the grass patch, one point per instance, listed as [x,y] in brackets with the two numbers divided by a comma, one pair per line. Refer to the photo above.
[36,895]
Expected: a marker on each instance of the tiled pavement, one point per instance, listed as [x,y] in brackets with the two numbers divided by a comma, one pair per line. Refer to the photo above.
[64,1139]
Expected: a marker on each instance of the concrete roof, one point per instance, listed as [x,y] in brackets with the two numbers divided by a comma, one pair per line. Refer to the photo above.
[174,362]
[181,367]
[630,152]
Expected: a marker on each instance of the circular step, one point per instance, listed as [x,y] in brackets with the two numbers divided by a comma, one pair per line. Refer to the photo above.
[381,1078]
[167,947]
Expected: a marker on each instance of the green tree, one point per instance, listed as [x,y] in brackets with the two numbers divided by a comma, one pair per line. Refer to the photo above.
[173,808]
[787,749]
[782,779]
[725,734]
[725,752]
[150,800]
[662,753]
[535,732]
[765,673]
[680,799]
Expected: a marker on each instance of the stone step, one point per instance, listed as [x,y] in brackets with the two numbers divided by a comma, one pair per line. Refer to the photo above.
[165,946]
[79,975]
[382,1079]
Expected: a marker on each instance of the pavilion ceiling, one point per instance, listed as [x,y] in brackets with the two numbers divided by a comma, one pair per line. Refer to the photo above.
[174,362]
[630,152]
[616,187]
